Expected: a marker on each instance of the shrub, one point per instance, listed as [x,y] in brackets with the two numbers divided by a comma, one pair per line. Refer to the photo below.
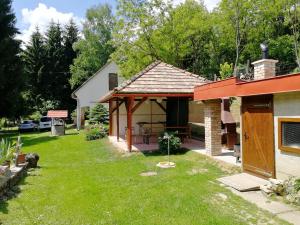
[7,149]
[226,70]
[96,132]
[175,143]
[99,114]
[292,190]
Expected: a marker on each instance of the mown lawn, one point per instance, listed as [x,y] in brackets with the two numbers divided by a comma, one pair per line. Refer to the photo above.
[82,182]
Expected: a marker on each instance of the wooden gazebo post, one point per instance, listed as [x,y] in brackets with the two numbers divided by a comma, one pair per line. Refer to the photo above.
[129,105]
[110,117]
[118,120]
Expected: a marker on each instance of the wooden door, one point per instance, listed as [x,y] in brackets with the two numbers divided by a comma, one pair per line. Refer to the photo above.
[258,135]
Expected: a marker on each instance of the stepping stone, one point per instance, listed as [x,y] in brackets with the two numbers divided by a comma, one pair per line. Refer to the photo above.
[243,182]
[148,174]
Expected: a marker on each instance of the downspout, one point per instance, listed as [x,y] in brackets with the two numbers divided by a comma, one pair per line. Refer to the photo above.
[78,114]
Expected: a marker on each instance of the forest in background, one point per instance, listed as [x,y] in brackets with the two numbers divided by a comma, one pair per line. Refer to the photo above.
[215,43]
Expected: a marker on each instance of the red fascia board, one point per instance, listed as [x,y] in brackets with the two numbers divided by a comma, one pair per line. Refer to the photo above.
[215,90]
[279,84]
[233,87]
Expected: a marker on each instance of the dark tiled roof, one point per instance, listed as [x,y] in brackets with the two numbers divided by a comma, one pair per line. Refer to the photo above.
[160,77]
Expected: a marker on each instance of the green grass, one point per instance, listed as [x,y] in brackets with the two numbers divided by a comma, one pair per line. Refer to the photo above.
[82,182]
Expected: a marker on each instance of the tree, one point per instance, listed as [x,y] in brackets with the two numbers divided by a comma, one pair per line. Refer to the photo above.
[293,18]
[54,69]
[133,37]
[239,13]
[34,58]
[11,77]
[99,114]
[95,48]
[226,70]
[70,37]
[177,35]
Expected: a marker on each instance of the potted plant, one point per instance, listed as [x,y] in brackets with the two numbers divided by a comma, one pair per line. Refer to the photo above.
[20,157]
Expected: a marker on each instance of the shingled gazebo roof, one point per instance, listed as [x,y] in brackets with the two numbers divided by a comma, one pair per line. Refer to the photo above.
[159,78]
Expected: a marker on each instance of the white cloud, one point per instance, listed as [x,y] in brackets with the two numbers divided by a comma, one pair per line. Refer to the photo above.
[210,4]
[41,16]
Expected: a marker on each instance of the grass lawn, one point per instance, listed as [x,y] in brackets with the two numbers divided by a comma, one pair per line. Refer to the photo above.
[82,182]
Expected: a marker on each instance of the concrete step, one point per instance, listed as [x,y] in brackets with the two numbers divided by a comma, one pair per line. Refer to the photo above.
[243,182]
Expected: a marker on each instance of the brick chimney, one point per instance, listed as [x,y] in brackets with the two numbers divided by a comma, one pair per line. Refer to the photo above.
[264,68]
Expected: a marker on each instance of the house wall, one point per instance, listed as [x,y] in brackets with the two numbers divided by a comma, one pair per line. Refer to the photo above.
[90,93]
[235,109]
[286,105]
[142,114]
[196,112]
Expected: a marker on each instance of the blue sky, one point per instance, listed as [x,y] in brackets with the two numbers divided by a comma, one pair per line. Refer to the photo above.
[32,13]
[77,7]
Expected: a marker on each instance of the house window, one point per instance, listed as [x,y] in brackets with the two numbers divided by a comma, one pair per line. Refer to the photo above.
[289,134]
[113,81]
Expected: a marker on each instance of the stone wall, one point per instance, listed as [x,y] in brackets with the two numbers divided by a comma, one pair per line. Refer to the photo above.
[11,178]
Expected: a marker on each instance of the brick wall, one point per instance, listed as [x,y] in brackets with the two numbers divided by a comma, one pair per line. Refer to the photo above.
[264,68]
[212,120]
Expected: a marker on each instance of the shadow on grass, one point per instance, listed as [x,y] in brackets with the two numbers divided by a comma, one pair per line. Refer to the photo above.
[30,141]
[180,151]
[13,192]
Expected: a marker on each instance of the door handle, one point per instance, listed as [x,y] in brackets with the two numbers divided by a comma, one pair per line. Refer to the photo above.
[246,136]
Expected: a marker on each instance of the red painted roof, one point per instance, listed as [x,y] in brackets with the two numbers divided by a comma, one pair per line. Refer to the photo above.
[58,113]
[234,87]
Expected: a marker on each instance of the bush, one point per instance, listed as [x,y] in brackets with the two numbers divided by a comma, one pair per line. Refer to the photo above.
[99,114]
[7,149]
[175,143]
[96,132]
[226,70]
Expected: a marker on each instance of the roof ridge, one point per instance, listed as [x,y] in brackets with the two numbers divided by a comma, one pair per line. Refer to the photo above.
[129,81]
[186,72]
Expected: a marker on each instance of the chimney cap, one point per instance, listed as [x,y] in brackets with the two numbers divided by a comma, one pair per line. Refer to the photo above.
[264,60]
[265,50]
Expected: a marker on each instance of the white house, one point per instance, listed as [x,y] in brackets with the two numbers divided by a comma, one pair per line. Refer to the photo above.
[89,93]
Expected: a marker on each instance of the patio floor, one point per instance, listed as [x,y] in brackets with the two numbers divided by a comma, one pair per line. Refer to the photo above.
[192,144]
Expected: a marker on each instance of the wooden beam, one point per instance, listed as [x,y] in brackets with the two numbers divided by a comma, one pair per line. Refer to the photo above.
[117,106]
[110,118]
[161,106]
[129,105]
[138,104]
[118,122]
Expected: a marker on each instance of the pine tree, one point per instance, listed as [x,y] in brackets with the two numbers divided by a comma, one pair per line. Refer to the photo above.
[71,35]
[54,68]
[34,58]
[11,79]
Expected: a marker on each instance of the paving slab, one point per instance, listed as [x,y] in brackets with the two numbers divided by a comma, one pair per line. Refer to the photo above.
[281,210]
[291,217]
[243,182]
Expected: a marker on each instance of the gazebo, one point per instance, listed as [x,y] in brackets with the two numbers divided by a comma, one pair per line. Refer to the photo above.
[156,99]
